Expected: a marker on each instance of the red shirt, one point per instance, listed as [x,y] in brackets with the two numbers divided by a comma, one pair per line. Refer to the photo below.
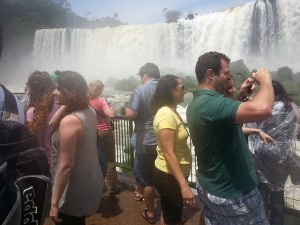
[100,104]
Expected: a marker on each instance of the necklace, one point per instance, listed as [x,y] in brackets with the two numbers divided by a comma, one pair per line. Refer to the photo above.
[180,119]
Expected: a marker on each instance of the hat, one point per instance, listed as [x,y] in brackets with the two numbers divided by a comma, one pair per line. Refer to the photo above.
[53,77]
[150,69]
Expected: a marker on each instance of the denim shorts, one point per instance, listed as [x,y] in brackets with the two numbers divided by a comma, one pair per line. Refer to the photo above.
[143,170]
[248,209]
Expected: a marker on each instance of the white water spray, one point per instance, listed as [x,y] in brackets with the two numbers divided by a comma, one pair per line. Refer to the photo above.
[263,33]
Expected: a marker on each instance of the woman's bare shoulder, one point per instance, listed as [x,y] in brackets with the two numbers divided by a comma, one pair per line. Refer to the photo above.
[70,120]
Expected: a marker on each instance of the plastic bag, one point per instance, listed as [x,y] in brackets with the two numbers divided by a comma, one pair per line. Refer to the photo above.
[273,162]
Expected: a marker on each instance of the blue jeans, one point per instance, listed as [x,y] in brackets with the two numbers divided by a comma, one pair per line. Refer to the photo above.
[101,157]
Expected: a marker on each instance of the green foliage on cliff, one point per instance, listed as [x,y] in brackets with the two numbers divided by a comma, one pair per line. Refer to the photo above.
[285,75]
[128,84]
[20,19]
[239,71]
[171,16]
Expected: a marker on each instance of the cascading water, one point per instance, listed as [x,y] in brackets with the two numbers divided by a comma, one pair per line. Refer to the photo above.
[263,33]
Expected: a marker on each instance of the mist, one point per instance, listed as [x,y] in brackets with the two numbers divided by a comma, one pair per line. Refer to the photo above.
[262,33]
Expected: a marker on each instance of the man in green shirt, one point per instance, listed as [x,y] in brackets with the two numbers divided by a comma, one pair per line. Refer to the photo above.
[226,175]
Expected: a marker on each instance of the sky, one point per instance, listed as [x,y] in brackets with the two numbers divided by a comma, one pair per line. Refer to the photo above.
[148,11]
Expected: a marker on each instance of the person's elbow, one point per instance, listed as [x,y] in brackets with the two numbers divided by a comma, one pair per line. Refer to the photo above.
[264,113]
[267,111]
[130,114]
[67,167]
[264,110]
[169,155]
[111,115]
[253,114]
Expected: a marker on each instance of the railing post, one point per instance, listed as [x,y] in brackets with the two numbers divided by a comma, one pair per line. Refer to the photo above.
[131,154]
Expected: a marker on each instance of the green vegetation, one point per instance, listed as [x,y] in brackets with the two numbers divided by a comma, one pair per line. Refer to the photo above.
[20,19]
[285,75]
[128,84]
[171,16]
[239,71]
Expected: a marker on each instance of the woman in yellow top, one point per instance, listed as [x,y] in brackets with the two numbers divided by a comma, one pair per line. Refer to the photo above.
[174,159]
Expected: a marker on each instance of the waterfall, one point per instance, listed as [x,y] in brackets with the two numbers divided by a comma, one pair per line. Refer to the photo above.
[263,33]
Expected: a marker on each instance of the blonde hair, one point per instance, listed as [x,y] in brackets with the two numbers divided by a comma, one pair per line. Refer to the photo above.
[95,89]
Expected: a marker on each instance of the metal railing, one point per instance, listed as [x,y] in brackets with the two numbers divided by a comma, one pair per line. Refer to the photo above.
[123,129]
[125,158]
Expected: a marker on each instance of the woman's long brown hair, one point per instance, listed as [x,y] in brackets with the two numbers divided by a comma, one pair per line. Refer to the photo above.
[70,80]
[40,92]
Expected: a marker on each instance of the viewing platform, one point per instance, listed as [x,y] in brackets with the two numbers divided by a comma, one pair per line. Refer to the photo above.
[123,209]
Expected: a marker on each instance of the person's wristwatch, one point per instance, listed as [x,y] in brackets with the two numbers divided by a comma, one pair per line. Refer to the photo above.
[243,98]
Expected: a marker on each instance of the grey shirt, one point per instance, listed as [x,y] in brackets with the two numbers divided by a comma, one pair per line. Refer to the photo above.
[141,103]
[83,193]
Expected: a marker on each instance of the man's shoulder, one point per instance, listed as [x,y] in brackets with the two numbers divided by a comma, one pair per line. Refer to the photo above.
[214,99]
[150,84]
[145,88]
[212,106]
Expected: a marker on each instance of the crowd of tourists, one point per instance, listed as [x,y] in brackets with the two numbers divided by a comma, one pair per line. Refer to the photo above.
[244,143]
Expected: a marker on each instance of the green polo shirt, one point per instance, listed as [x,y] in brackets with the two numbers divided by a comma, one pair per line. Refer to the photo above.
[225,167]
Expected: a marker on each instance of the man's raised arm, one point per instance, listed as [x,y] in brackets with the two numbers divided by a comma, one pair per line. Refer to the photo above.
[260,107]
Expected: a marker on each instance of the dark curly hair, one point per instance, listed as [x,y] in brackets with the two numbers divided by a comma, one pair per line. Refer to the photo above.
[281,95]
[163,93]
[209,60]
[40,88]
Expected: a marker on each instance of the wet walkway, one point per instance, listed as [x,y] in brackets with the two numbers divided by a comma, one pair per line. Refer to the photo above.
[122,209]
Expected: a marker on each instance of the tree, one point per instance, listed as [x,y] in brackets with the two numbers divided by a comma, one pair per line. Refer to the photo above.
[293,88]
[239,71]
[284,74]
[297,77]
[191,16]
[21,18]
[171,16]
[127,84]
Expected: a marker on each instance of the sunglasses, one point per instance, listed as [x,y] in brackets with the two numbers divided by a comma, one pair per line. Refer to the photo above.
[242,75]
[182,88]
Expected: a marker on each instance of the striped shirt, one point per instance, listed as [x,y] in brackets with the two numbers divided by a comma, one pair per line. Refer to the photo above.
[100,104]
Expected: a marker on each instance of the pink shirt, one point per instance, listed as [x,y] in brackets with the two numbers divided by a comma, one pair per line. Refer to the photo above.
[100,104]
[46,130]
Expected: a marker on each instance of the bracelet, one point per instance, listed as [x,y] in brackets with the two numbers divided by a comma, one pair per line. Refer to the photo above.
[243,98]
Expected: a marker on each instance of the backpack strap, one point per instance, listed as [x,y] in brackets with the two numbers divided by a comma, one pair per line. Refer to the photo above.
[10,108]
[101,114]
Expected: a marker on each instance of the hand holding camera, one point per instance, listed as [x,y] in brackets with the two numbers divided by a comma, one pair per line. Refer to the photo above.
[262,76]
[247,87]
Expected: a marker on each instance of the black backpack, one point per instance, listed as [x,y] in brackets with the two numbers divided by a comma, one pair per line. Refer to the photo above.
[25,187]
